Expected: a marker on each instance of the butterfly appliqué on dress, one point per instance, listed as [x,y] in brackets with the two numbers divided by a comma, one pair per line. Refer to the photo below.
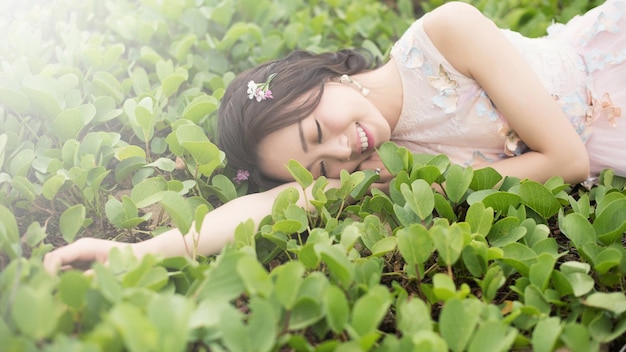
[448,97]
[513,145]
[486,108]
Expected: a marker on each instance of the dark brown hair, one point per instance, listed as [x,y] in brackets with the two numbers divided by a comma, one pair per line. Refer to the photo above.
[297,89]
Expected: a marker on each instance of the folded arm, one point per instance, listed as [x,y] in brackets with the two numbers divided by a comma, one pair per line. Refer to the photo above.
[478,49]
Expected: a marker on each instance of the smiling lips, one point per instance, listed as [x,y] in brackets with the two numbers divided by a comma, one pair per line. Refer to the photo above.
[364,138]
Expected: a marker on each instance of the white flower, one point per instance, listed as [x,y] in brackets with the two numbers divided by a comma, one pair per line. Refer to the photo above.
[252,89]
[260,91]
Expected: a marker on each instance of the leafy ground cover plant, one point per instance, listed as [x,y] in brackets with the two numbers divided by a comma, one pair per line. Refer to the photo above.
[107,125]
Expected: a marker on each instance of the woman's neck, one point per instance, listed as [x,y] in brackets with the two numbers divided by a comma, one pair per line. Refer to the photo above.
[385,90]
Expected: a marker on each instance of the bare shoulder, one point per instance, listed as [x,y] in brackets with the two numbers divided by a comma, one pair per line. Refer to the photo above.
[451,15]
[457,30]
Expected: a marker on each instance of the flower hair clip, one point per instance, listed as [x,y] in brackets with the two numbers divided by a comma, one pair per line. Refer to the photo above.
[260,91]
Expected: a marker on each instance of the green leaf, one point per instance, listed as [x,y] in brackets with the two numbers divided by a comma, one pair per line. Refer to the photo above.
[137,331]
[288,282]
[491,283]
[493,336]
[108,85]
[338,264]
[541,271]
[449,241]
[127,167]
[123,214]
[305,312]
[12,97]
[546,333]
[419,198]
[244,233]
[369,310]
[112,54]
[34,235]
[506,230]
[501,201]
[9,234]
[336,307]
[581,283]
[30,303]
[428,173]
[234,333]
[199,108]
[219,284]
[44,93]
[480,219]
[262,325]
[610,224]
[254,276]
[576,337]
[178,209]
[458,180]
[195,142]
[148,191]
[413,317]
[388,153]
[285,198]
[475,257]
[52,186]
[25,187]
[519,256]
[444,208]
[614,302]
[577,228]
[68,124]
[458,320]
[171,316]
[21,162]
[225,188]
[538,198]
[416,246]
[181,47]
[72,289]
[485,178]
[443,287]
[607,259]
[172,83]
[71,221]
[384,246]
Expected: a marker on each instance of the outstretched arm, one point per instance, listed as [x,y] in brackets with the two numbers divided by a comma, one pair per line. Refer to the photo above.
[217,230]
[478,49]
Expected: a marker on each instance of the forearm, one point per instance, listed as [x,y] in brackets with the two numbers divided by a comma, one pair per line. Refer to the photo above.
[540,167]
[218,227]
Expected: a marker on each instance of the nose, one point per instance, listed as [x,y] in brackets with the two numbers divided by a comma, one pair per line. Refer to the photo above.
[339,148]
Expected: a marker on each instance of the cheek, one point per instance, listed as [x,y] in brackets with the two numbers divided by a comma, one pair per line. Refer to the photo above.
[334,168]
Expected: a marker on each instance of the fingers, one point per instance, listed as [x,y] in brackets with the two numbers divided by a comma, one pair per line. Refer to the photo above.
[77,254]
[381,186]
[375,164]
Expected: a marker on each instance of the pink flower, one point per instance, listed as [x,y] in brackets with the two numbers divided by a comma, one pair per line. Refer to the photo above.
[260,91]
[242,175]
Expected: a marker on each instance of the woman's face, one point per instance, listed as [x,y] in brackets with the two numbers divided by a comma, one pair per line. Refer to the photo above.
[342,132]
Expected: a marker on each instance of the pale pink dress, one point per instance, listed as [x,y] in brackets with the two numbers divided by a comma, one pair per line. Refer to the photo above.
[582,64]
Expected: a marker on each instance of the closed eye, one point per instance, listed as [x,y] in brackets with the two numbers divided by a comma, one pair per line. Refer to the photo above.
[319,132]
[319,140]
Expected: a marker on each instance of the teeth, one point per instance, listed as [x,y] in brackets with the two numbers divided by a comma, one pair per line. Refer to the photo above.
[363,138]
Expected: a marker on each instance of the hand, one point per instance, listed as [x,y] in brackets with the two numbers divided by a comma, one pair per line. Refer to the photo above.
[373,163]
[79,254]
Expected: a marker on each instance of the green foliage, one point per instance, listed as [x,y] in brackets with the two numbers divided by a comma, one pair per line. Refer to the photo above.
[108,128]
